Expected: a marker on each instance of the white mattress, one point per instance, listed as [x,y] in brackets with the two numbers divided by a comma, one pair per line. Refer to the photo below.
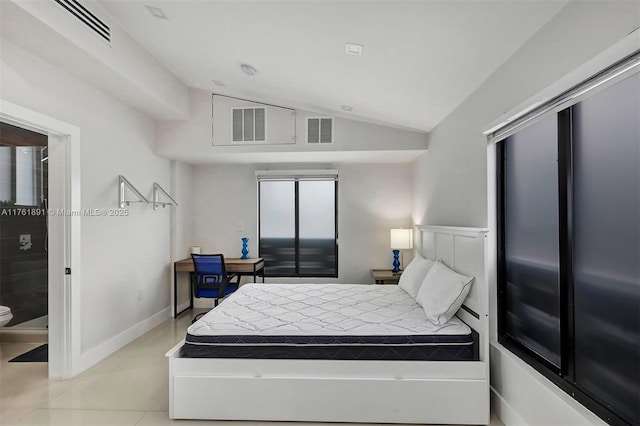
[321,310]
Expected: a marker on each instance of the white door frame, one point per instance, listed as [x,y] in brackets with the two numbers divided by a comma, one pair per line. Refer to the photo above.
[64,251]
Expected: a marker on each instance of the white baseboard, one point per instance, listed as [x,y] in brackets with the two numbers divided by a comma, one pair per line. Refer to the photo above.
[521,395]
[184,306]
[504,411]
[100,352]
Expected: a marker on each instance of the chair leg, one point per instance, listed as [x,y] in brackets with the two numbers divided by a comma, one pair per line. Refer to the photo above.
[215,303]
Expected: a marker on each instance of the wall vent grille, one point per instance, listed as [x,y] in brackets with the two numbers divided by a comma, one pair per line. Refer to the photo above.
[87,18]
[248,124]
[320,130]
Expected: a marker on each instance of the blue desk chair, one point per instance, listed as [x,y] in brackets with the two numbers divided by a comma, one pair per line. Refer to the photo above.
[210,278]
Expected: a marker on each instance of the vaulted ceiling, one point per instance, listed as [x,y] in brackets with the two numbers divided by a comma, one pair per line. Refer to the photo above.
[420,59]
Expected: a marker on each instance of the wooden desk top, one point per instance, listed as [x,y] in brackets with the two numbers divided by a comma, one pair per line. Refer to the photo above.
[233,264]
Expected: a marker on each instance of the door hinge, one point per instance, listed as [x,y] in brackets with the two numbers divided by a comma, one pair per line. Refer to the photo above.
[67,271]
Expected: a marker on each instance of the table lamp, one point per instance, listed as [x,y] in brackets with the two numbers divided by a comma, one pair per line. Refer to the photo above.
[401,239]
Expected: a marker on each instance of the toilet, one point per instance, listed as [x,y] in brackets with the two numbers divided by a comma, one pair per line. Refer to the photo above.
[5,315]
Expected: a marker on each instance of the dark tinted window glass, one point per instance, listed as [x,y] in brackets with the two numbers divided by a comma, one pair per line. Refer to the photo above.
[317,228]
[278,227]
[531,239]
[607,245]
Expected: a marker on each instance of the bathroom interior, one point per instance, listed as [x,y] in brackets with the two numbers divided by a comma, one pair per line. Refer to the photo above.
[23,235]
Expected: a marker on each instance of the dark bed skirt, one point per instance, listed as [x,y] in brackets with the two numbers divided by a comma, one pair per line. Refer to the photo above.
[409,348]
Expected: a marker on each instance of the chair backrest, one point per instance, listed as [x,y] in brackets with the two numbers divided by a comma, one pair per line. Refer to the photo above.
[210,265]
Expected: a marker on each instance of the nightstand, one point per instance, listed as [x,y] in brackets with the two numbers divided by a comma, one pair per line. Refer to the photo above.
[385,276]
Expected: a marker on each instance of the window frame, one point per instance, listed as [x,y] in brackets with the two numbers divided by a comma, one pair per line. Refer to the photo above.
[297,230]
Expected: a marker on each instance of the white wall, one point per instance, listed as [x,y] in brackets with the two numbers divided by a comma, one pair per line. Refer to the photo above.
[122,67]
[450,180]
[372,198]
[122,256]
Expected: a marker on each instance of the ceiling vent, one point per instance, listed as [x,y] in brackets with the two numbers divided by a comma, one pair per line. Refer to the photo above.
[248,124]
[319,130]
[89,19]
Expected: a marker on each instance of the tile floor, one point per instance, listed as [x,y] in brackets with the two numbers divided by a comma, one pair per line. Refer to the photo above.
[36,323]
[128,388]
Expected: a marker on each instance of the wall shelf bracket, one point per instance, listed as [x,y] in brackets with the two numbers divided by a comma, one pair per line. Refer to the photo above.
[122,183]
[157,190]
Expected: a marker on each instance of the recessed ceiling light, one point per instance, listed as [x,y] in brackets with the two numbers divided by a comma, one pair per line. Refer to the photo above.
[156,12]
[347,108]
[248,69]
[219,83]
[353,49]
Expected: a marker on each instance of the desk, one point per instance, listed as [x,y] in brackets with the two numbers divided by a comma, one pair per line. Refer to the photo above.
[243,267]
[385,276]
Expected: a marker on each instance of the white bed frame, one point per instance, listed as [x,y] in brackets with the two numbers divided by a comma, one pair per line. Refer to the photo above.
[454,392]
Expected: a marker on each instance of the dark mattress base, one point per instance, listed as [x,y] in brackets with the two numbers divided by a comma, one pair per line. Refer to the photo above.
[410,348]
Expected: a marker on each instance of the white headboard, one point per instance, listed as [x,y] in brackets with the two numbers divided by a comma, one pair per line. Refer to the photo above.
[463,250]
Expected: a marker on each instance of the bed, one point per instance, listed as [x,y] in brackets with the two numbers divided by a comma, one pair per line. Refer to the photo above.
[372,359]
[325,321]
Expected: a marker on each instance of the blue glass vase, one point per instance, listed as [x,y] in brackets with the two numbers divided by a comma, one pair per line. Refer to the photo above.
[245,249]
[396,261]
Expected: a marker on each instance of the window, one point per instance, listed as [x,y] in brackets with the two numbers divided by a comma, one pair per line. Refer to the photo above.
[531,234]
[18,174]
[248,124]
[6,175]
[568,248]
[26,187]
[23,166]
[21,175]
[297,228]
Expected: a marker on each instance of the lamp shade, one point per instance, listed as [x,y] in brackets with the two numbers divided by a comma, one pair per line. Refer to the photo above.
[401,239]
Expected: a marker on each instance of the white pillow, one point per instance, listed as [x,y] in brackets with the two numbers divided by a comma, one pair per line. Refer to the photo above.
[442,293]
[413,275]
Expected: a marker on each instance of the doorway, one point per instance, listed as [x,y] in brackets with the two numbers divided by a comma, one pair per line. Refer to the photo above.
[24,181]
[62,195]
